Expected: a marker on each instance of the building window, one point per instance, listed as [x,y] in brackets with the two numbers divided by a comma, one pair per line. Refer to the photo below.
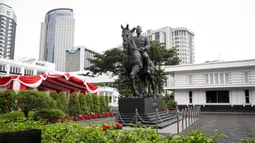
[227,78]
[216,78]
[190,96]
[211,78]
[247,96]
[157,37]
[246,77]
[206,79]
[217,96]
[221,78]
[190,79]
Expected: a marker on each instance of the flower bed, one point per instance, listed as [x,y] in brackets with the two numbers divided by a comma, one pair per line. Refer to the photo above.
[82,117]
[116,126]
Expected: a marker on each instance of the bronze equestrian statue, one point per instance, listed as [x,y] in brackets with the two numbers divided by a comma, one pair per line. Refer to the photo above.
[136,59]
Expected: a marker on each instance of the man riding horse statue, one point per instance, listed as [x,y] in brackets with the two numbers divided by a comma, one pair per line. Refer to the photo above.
[136,59]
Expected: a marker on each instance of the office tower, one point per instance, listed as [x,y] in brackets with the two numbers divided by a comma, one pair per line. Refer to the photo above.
[8,22]
[57,35]
[180,38]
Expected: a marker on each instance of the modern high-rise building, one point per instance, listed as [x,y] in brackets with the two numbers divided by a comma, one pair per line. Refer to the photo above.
[180,38]
[8,22]
[57,35]
[77,58]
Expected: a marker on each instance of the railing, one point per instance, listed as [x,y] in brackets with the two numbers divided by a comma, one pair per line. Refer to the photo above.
[185,118]
[187,115]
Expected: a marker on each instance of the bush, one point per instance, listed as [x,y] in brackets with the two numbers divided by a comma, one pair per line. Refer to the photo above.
[89,102]
[172,104]
[73,104]
[63,102]
[34,100]
[49,114]
[83,104]
[72,132]
[55,96]
[107,104]
[8,101]
[12,115]
[102,104]
[95,105]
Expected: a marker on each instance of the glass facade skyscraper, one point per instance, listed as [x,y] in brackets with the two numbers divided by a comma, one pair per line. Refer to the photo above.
[57,35]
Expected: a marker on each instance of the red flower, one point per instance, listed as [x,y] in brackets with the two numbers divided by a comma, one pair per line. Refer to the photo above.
[106,127]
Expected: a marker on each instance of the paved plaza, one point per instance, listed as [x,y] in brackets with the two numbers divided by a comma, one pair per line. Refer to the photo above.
[234,126]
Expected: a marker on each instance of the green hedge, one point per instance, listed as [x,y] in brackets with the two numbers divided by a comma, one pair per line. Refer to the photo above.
[83,104]
[73,104]
[49,114]
[63,102]
[12,115]
[73,132]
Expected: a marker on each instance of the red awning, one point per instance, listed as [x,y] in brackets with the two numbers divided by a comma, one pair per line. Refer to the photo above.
[58,82]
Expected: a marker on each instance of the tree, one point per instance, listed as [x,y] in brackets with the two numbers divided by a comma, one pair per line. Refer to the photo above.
[102,104]
[111,62]
[95,105]
[73,104]
[63,102]
[83,104]
[8,101]
[55,96]
[34,100]
[89,101]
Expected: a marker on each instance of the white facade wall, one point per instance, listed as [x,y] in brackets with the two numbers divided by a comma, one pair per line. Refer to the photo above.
[234,76]
[236,97]
[34,67]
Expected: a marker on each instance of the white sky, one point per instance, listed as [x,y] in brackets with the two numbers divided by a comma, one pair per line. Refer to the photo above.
[222,27]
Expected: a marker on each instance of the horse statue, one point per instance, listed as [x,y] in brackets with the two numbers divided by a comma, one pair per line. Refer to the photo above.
[133,63]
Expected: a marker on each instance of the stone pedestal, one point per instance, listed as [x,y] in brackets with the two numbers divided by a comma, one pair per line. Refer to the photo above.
[143,105]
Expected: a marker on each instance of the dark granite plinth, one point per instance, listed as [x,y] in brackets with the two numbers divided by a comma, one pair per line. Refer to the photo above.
[143,105]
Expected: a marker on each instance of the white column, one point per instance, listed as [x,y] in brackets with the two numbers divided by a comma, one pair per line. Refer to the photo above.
[22,70]
[35,72]
[8,69]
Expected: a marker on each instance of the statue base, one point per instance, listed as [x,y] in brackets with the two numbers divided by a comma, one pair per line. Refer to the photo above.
[143,105]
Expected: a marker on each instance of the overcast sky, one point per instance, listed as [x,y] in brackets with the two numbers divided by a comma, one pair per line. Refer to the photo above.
[224,28]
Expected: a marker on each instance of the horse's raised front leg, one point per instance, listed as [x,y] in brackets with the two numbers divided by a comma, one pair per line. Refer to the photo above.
[133,73]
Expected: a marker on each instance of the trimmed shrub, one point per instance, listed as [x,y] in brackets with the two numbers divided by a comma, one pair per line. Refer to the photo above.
[12,115]
[83,104]
[8,101]
[63,102]
[89,102]
[50,114]
[55,96]
[73,104]
[34,100]
[107,104]
[95,105]
[102,104]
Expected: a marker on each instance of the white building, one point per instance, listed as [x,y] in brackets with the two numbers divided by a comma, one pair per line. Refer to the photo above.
[180,38]
[25,67]
[57,35]
[219,86]
[79,55]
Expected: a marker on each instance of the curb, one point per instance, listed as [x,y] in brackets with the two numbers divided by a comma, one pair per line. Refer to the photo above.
[229,113]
